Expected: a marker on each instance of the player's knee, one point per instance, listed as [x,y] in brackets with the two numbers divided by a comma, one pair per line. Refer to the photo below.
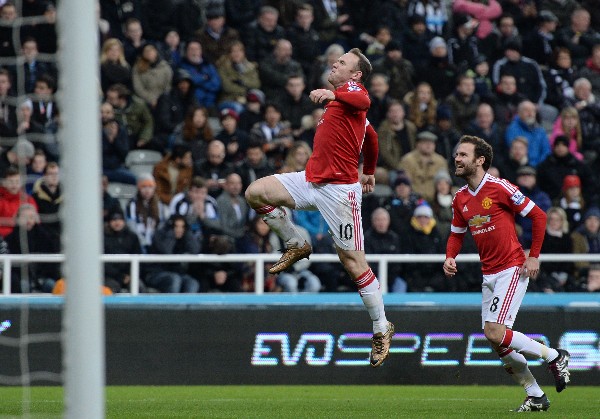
[494,335]
[255,193]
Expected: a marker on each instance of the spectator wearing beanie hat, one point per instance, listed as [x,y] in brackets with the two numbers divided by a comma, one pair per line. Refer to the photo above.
[586,238]
[423,237]
[235,140]
[571,201]
[561,163]
[253,112]
[145,212]
[439,73]
[399,70]
[402,203]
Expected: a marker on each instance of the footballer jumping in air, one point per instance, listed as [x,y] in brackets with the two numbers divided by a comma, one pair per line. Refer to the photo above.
[331,185]
[487,206]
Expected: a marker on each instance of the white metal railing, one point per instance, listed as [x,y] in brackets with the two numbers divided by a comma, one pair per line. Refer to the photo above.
[382,260]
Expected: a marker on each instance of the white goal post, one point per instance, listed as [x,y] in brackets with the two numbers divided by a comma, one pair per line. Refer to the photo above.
[83,317]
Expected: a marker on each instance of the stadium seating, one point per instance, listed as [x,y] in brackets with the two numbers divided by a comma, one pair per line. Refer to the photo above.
[122,191]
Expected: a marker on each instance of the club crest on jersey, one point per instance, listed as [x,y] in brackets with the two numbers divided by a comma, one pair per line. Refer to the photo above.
[486,203]
[479,220]
[353,87]
[518,198]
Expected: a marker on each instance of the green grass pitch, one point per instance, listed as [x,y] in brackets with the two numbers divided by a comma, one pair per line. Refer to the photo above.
[439,402]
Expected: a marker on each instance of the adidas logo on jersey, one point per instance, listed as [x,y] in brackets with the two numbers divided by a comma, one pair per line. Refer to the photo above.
[465,209]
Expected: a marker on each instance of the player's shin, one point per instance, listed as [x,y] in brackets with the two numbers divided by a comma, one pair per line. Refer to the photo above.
[523,344]
[278,220]
[516,365]
[370,293]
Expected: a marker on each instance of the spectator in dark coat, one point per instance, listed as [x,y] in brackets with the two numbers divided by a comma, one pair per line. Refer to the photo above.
[399,70]
[254,166]
[440,73]
[578,37]
[276,68]
[402,203]
[379,87]
[175,238]
[47,193]
[263,34]
[236,141]
[118,239]
[528,75]
[417,36]
[557,276]
[379,239]
[304,38]
[423,237]
[41,276]
[552,171]
[214,169]
[172,107]
[115,146]
[539,44]
[528,185]
[216,36]
[294,103]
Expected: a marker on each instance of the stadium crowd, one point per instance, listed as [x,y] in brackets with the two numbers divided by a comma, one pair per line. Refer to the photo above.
[218,91]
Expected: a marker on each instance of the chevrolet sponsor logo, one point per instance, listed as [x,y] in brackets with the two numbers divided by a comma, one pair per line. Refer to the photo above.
[478,220]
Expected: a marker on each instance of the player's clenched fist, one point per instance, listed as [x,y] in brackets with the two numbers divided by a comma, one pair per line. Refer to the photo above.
[321,95]
[450,267]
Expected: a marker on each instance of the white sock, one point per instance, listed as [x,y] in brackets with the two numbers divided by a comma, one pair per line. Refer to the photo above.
[278,220]
[521,343]
[516,365]
[370,293]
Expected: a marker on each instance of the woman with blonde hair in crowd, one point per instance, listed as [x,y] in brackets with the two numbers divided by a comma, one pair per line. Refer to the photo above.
[556,276]
[152,76]
[113,66]
[422,106]
[569,125]
[296,158]
[196,132]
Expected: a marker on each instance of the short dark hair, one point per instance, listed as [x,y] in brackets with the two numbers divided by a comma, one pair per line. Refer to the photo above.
[364,65]
[122,91]
[48,80]
[482,149]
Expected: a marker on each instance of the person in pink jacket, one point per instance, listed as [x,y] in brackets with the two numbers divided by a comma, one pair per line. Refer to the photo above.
[569,125]
[483,10]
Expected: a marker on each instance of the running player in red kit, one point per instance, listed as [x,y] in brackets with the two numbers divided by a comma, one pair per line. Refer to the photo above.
[331,185]
[487,206]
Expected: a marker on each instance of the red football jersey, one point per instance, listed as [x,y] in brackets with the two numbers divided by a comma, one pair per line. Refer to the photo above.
[489,213]
[339,137]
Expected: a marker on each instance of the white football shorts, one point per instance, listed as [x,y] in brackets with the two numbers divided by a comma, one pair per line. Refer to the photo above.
[502,295]
[340,205]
